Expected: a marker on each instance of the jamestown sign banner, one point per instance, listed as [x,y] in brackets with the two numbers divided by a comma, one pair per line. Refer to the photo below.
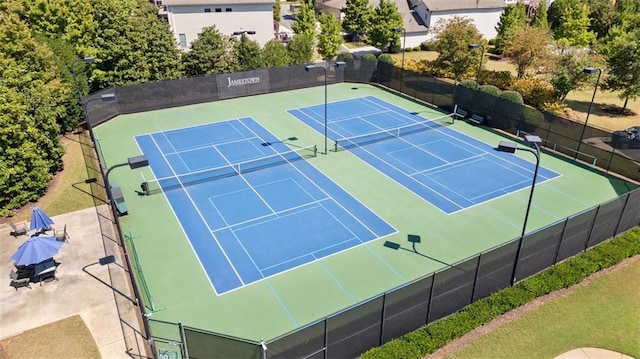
[243,83]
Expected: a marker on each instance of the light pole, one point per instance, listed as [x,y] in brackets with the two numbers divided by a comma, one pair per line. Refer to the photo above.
[133,163]
[308,68]
[404,43]
[473,47]
[243,34]
[590,71]
[503,146]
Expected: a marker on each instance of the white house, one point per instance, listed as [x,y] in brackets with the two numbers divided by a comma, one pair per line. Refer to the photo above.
[421,16]
[187,18]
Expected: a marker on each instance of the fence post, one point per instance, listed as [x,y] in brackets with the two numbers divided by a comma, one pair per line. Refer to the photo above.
[433,283]
[626,201]
[184,351]
[384,306]
[326,338]
[475,278]
[595,218]
[564,229]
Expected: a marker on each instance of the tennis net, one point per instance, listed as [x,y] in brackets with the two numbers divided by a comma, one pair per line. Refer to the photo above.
[165,184]
[383,135]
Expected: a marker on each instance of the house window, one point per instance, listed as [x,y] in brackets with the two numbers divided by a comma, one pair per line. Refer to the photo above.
[228,9]
[183,40]
[218,9]
[207,9]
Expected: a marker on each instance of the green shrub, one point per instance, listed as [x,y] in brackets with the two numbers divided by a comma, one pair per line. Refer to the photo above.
[436,335]
[386,58]
[512,96]
[369,57]
[472,84]
[408,49]
[417,48]
[490,89]
[499,79]
[535,91]
[492,42]
[427,46]
[344,56]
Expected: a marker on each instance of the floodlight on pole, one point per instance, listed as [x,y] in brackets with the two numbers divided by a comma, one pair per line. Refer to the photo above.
[590,71]
[404,43]
[510,147]
[473,47]
[337,64]
[133,163]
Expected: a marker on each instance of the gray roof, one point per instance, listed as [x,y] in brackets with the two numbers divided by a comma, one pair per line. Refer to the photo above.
[444,5]
[214,2]
[412,22]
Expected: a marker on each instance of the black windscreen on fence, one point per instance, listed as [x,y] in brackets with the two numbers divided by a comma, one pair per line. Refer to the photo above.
[631,215]
[495,270]
[303,343]
[452,289]
[539,250]
[406,308]
[355,330]
[206,345]
[607,221]
[576,234]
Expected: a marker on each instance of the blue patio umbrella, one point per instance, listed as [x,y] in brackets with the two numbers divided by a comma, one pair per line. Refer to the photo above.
[39,219]
[36,249]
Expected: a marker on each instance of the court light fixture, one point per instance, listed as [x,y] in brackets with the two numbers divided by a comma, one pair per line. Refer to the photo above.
[589,71]
[133,163]
[473,47]
[510,147]
[336,64]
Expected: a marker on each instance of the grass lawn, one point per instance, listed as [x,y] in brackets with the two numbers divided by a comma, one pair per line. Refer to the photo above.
[65,193]
[67,338]
[603,314]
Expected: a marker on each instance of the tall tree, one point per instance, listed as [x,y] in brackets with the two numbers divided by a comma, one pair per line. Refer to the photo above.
[623,57]
[628,12]
[305,22]
[134,44]
[277,9]
[274,54]
[452,41]
[210,54]
[569,21]
[529,48]
[385,19]
[602,16]
[248,53]
[357,15]
[330,37]
[539,19]
[300,48]
[513,17]
[32,101]
[568,74]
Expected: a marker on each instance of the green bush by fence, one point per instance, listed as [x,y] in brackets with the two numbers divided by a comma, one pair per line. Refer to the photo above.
[438,334]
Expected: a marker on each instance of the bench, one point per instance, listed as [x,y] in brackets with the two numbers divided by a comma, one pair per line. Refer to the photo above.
[461,113]
[118,198]
[477,119]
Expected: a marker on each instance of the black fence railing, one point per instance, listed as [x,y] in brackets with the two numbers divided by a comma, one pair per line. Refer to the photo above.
[401,310]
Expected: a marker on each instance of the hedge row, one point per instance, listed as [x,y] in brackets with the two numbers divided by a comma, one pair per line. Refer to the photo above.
[436,335]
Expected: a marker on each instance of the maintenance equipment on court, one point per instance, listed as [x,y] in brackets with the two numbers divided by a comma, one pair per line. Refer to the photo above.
[150,187]
[382,135]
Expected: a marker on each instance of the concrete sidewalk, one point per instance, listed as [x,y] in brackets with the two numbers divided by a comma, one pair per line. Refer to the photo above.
[592,353]
[83,287]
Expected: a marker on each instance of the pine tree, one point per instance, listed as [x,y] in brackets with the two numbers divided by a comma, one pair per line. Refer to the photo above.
[357,15]
[330,37]
[513,18]
[539,19]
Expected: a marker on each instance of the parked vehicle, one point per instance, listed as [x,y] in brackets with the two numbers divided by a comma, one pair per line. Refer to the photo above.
[628,138]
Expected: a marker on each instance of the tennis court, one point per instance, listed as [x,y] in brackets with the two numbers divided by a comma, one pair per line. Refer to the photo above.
[248,204]
[448,169]
[306,233]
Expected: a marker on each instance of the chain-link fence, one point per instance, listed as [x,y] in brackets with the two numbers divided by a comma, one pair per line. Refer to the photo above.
[404,309]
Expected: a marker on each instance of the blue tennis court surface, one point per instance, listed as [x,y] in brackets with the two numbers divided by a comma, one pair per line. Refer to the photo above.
[448,169]
[250,207]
